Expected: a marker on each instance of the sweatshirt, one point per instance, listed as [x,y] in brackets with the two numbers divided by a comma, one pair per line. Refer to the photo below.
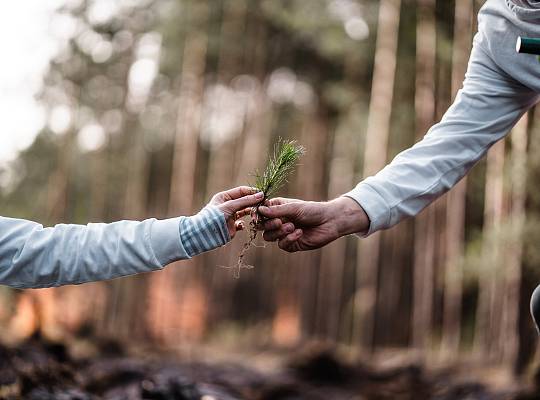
[32,256]
[499,87]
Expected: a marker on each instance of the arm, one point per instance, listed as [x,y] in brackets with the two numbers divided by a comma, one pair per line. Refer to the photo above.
[32,256]
[488,106]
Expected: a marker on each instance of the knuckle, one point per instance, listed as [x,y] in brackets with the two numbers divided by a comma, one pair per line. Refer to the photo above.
[219,197]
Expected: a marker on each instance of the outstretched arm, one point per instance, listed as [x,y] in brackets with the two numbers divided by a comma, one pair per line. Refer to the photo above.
[32,256]
[488,106]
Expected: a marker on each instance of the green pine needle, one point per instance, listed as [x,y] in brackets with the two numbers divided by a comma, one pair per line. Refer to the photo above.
[279,167]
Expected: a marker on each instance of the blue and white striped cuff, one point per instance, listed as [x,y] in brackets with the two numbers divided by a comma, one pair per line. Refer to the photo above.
[205,231]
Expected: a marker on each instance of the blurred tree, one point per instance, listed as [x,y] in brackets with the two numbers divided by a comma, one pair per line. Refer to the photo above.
[456,198]
[378,127]
[510,329]
[424,246]
[486,327]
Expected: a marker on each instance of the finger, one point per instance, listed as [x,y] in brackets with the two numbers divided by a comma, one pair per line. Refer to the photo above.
[240,225]
[275,201]
[237,192]
[244,202]
[271,224]
[278,234]
[288,242]
[280,210]
[243,213]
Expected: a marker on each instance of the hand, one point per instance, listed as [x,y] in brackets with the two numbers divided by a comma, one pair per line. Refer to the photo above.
[306,225]
[235,204]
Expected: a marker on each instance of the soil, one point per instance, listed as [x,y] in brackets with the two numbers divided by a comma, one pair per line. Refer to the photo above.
[38,369]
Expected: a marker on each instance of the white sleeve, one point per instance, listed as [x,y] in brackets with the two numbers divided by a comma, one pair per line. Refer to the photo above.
[484,111]
[32,256]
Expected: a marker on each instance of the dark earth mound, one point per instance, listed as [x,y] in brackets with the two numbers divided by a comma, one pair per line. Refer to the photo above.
[40,370]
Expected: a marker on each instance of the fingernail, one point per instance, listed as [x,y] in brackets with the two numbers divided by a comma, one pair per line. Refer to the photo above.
[259,195]
[289,228]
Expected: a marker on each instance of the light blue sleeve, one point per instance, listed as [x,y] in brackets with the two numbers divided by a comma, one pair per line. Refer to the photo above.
[32,256]
[484,111]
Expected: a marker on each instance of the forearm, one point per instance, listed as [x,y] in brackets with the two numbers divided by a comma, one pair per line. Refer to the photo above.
[32,256]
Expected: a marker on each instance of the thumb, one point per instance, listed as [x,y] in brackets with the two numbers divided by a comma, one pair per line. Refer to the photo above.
[280,211]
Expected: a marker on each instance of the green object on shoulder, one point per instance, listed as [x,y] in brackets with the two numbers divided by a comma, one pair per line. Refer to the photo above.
[528,45]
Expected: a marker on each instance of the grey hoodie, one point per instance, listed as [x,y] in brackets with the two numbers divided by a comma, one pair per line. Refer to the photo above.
[499,87]
[525,9]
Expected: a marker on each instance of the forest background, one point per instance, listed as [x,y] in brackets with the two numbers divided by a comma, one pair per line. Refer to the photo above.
[150,107]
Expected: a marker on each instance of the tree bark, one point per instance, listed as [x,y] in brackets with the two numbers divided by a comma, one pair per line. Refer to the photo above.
[509,340]
[455,215]
[424,246]
[486,329]
[375,157]
[186,144]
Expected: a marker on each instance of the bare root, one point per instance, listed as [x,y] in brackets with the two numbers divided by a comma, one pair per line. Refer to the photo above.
[253,233]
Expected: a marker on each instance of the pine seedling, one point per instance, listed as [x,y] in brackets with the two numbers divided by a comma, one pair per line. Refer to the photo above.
[280,166]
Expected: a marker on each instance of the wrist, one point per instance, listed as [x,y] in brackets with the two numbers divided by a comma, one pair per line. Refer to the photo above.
[349,216]
[204,231]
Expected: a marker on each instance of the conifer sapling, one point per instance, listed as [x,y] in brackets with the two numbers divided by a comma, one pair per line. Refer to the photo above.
[280,166]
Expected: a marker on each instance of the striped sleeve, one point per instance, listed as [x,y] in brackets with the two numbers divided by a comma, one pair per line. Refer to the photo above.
[205,231]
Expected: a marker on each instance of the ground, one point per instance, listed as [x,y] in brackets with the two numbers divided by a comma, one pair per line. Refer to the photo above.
[37,369]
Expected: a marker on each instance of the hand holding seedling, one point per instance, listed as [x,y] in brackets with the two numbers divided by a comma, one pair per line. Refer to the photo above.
[280,166]
[306,225]
[235,204]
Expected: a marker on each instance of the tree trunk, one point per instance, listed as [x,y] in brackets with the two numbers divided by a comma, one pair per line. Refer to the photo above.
[333,258]
[183,178]
[509,340]
[375,157]
[184,163]
[222,157]
[486,329]
[455,212]
[311,184]
[424,245]
[130,293]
